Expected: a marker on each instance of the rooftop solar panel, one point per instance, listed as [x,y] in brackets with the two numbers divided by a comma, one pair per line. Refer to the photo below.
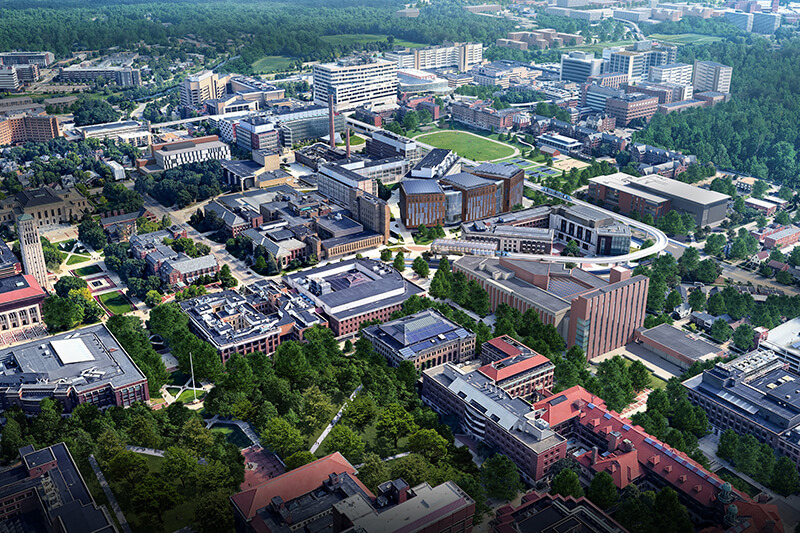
[607,416]
[626,427]
[591,406]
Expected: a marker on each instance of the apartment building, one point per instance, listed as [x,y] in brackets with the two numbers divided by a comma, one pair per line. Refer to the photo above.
[449,55]
[712,76]
[426,339]
[197,89]
[122,76]
[356,81]
[192,150]
[28,128]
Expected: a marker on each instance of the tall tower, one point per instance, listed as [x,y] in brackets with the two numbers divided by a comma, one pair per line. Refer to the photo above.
[30,246]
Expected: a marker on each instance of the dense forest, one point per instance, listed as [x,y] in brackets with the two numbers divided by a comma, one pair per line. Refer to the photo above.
[757,131]
[248,28]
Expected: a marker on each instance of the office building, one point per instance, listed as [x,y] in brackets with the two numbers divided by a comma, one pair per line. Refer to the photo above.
[87,365]
[9,81]
[40,59]
[479,197]
[657,195]
[548,512]
[354,291]
[505,238]
[122,76]
[355,82]
[577,66]
[631,106]
[426,339]
[680,73]
[30,245]
[257,133]
[383,144]
[24,128]
[637,61]
[45,492]
[596,232]
[740,19]
[449,55]
[766,23]
[512,180]
[199,88]
[190,150]
[676,346]
[337,181]
[564,145]
[326,495]
[711,76]
[595,96]
[27,74]
[516,369]
[127,131]
[422,202]
[437,164]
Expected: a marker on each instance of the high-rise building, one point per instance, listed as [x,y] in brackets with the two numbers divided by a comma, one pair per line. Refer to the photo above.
[207,85]
[9,81]
[448,55]
[673,73]
[740,19]
[711,76]
[28,128]
[766,23]
[577,66]
[638,61]
[30,246]
[356,81]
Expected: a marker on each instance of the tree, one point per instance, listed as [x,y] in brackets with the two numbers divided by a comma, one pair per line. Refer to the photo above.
[602,490]
[784,277]
[672,223]
[360,412]
[61,313]
[151,497]
[67,283]
[399,263]
[96,111]
[316,410]
[714,244]
[373,471]
[728,442]
[386,254]
[566,483]
[746,454]
[152,298]
[500,477]
[281,437]
[697,300]
[226,277]
[394,422]
[290,363]
[673,300]
[344,440]
[91,234]
[744,336]
[784,477]
[298,459]
[760,188]
[213,512]
[429,444]
[720,330]
[128,466]
[572,249]
[761,221]
[420,266]
[639,376]
[782,218]
[179,464]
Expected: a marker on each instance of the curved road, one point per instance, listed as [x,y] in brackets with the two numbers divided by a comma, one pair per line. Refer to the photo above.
[660,239]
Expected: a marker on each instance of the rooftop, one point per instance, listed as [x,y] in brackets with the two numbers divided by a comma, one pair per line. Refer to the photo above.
[466,181]
[421,187]
[686,344]
[500,170]
[18,288]
[413,334]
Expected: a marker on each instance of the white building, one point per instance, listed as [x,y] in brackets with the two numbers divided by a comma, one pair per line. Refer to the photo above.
[8,78]
[197,89]
[448,55]
[577,66]
[711,76]
[179,153]
[356,81]
[680,73]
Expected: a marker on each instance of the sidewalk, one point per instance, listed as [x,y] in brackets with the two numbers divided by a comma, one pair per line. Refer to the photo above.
[126,528]
[335,420]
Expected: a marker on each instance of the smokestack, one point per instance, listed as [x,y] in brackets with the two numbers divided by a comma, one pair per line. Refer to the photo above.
[331,117]
[347,141]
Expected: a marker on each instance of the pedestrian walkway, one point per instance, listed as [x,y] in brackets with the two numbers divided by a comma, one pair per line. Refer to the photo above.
[126,528]
[156,453]
[335,420]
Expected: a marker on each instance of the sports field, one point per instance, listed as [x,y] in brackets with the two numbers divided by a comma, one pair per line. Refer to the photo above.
[272,63]
[467,145]
[686,38]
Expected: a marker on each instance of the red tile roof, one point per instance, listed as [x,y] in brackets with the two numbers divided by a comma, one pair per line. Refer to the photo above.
[294,484]
[506,368]
[31,291]
[753,518]
[501,344]
[623,467]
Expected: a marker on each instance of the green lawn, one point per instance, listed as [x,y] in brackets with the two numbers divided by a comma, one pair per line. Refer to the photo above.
[686,38]
[65,246]
[115,302]
[355,140]
[364,38]
[596,47]
[188,396]
[272,63]
[88,270]
[467,145]
[75,259]
[233,434]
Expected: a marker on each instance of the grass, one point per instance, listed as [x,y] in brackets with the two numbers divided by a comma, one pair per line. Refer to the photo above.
[355,140]
[467,145]
[233,434]
[65,246]
[686,38]
[655,381]
[88,270]
[272,63]
[737,482]
[115,302]
[188,396]
[350,39]
[75,259]
[173,390]
[596,47]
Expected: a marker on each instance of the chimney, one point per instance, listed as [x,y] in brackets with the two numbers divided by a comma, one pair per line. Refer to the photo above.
[618,274]
[594,455]
[331,118]
[347,141]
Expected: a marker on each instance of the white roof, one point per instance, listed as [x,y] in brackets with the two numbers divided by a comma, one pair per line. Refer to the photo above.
[72,351]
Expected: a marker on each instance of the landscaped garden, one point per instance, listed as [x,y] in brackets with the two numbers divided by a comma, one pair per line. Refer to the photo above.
[189,395]
[88,270]
[474,147]
[115,302]
[75,259]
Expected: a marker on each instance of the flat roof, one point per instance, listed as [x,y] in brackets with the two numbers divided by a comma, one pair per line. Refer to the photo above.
[685,344]
[467,181]
[421,187]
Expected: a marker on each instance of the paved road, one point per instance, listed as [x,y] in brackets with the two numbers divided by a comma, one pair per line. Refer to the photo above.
[110,495]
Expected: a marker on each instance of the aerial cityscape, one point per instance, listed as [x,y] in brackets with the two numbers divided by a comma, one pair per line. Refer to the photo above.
[445,266]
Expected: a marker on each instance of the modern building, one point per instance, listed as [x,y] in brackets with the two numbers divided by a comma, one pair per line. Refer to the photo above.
[547,512]
[40,59]
[740,19]
[676,346]
[422,202]
[438,163]
[337,181]
[680,73]
[384,144]
[597,315]
[257,133]
[87,365]
[354,291]
[21,299]
[197,89]
[426,339]
[28,128]
[563,144]
[356,81]
[506,238]
[448,55]
[596,232]
[577,66]
[326,495]
[30,246]
[766,23]
[192,150]
[711,76]
[9,81]
[631,106]
[46,492]
[128,131]
[479,197]
[754,395]
[656,195]
[122,76]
